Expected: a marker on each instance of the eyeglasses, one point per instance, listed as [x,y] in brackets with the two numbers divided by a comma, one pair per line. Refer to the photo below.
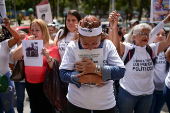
[94,24]
[144,34]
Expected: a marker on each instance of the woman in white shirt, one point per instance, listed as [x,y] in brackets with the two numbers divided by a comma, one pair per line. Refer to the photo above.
[65,35]
[166,91]
[91,85]
[6,98]
[161,68]
[136,87]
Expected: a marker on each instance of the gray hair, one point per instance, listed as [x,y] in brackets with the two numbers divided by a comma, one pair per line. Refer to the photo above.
[136,30]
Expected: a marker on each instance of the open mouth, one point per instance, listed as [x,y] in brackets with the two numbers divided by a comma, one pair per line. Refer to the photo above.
[145,40]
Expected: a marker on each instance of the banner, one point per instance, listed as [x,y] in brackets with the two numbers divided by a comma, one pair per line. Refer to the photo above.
[159,10]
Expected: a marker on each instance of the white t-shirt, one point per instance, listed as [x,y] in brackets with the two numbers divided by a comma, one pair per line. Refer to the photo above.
[88,97]
[167,79]
[160,71]
[138,78]
[4,57]
[62,44]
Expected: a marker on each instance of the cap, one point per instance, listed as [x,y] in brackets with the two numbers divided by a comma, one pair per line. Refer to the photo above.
[133,21]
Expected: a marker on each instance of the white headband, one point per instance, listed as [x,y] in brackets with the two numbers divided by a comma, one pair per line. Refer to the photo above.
[90,32]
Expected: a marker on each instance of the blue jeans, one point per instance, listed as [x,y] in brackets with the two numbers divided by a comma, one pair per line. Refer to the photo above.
[128,102]
[20,92]
[166,94]
[157,102]
[7,98]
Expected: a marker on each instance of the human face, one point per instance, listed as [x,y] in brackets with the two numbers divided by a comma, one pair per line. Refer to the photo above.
[161,36]
[90,42]
[36,31]
[124,30]
[142,38]
[160,1]
[70,23]
[51,30]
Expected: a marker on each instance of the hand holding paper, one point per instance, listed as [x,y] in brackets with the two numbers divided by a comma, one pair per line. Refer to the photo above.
[45,52]
[86,66]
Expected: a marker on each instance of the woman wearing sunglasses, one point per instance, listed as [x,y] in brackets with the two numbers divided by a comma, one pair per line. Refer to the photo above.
[7,98]
[90,85]
[136,87]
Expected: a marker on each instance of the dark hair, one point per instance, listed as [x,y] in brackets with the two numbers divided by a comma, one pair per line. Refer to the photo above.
[121,35]
[71,12]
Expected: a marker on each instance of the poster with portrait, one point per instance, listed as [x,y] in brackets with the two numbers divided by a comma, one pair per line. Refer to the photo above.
[44,13]
[32,52]
[95,55]
[159,10]
[2,11]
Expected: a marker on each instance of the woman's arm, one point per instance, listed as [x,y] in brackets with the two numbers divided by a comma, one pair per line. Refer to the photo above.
[18,53]
[167,55]
[164,44]
[113,32]
[157,29]
[15,35]
[69,76]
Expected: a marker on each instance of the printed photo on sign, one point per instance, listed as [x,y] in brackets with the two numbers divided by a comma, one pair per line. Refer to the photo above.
[44,13]
[32,52]
[95,55]
[159,10]
[2,11]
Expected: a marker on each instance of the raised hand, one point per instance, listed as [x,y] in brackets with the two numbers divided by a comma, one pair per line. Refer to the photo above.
[113,19]
[6,23]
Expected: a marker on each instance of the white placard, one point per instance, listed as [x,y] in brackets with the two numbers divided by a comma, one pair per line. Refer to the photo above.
[159,10]
[44,13]
[95,55]
[32,52]
[2,11]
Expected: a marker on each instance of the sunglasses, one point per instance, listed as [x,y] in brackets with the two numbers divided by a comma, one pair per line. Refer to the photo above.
[94,24]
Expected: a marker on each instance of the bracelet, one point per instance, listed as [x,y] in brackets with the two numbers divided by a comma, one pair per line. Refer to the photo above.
[50,60]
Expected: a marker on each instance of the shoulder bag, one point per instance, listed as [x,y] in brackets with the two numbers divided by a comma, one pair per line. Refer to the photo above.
[18,73]
[54,87]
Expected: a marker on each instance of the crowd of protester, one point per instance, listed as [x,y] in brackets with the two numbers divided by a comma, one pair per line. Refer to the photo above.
[134,76]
